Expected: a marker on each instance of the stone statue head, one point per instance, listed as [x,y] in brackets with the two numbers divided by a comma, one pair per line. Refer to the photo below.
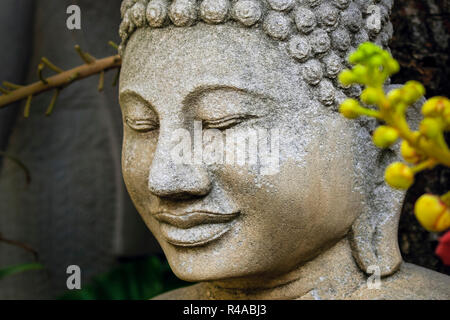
[200,77]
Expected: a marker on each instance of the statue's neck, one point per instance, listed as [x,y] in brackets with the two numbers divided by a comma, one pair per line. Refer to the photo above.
[331,275]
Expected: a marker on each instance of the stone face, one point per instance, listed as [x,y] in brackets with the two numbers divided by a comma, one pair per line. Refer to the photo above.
[318,201]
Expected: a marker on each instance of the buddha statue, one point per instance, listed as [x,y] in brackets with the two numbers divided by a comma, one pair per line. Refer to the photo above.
[314,219]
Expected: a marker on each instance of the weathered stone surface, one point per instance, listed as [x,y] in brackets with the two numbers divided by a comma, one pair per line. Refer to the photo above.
[311,229]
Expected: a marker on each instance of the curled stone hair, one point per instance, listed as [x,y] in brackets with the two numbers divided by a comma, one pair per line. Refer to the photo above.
[319,34]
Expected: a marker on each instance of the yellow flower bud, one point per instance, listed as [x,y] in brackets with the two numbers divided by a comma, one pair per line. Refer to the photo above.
[386,55]
[385,136]
[446,115]
[432,213]
[356,57]
[360,73]
[399,176]
[409,153]
[376,60]
[413,90]
[395,96]
[392,66]
[371,96]
[436,107]
[431,127]
[346,77]
[369,48]
[349,109]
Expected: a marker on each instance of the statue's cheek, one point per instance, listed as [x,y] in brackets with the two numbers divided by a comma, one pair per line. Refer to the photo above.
[137,155]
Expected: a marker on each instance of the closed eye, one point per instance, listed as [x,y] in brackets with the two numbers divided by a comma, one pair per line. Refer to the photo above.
[226,122]
[142,125]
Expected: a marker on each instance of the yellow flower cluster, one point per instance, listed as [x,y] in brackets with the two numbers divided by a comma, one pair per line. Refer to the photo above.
[423,149]
[433,213]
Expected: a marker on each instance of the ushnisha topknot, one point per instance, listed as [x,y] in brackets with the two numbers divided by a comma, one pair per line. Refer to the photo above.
[319,34]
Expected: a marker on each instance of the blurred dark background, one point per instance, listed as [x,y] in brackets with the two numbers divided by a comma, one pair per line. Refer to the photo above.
[76,209]
[421,44]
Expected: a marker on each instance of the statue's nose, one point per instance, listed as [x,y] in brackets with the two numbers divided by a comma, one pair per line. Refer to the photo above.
[168,179]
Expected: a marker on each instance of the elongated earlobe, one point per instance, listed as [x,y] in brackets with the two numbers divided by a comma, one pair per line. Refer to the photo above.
[373,236]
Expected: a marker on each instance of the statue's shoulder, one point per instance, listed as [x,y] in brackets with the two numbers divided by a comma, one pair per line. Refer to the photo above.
[193,292]
[410,282]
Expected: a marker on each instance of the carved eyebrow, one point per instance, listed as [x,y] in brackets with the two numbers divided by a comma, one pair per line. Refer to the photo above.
[129,93]
[192,96]
[201,90]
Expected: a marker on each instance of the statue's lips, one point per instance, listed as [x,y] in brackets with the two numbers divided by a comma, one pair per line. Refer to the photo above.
[192,219]
[194,228]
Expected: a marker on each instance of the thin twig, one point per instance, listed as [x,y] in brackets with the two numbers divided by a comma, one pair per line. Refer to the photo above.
[101,81]
[114,45]
[73,77]
[52,103]
[86,57]
[62,79]
[41,67]
[20,245]
[12,86]
[4,91]
[26,112]
[51,65]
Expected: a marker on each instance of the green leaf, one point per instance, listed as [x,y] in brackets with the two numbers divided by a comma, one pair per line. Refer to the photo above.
[19,268]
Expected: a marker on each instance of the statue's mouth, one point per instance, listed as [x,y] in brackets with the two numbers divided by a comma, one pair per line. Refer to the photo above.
[192,219]
[194,228]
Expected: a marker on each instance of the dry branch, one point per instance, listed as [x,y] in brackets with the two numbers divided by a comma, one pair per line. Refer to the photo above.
[61,80]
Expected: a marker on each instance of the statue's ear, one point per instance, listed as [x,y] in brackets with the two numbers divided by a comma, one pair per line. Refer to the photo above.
[374,234]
